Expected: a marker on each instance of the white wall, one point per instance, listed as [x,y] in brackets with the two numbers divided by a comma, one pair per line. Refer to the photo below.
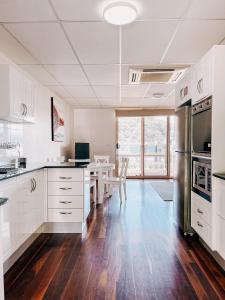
[98,127]
[36,138]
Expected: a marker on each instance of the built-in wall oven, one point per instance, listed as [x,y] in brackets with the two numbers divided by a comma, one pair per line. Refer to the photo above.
[201,126]
[201,179]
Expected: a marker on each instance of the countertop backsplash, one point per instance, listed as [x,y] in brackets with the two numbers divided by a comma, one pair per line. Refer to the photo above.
[11,142]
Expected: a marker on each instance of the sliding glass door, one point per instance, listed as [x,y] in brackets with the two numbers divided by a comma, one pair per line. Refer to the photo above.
[147,142]
[155,146]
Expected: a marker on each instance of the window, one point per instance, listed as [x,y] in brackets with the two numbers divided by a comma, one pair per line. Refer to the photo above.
[149,143]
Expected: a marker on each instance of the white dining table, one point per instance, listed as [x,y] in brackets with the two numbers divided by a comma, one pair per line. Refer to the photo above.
[100,169]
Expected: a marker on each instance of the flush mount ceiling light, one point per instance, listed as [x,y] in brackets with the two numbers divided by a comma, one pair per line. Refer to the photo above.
[120,13]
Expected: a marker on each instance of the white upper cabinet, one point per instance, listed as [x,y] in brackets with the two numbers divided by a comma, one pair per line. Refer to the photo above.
[183,90]
[17,95]
[201,79]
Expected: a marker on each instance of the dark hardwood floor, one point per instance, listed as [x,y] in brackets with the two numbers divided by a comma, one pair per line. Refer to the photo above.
[131,251]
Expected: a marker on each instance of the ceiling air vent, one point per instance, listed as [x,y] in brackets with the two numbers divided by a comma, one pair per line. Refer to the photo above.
[163,75]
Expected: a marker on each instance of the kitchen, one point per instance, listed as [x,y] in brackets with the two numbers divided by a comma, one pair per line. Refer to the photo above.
[71,77]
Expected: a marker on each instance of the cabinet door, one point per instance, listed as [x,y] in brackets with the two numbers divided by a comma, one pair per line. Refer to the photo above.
[37,199]
[17,101]
[29,96]
[202,78]
[1,267]
[220,236]
[183,90]
[8,217]
[24,216]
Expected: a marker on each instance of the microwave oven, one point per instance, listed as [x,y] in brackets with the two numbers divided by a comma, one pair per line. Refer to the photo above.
[201,177]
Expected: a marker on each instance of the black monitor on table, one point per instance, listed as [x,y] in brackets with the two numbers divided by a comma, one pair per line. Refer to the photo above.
[82,151]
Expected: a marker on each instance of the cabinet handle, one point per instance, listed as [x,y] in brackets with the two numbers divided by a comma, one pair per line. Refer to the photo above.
[32,185]
[62,177]
[200,211]
[25,109]
[199,86]
[65,202]
[199,224]
[65,213]
[23,112]
[181,93]
[65,189]
[35,184]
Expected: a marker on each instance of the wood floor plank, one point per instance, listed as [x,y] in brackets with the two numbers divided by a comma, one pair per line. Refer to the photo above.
[131,251]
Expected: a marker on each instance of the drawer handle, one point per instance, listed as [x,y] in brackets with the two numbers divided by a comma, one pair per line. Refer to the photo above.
[62,177]
[199,224]
[200,211]
[65,189]
[65,213]
[65,202]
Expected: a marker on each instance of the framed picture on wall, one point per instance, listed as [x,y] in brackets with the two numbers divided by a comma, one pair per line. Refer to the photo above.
[58,121]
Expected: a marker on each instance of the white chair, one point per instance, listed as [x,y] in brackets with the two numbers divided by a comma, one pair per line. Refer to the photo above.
[119,181]
[101,159]
[98,159]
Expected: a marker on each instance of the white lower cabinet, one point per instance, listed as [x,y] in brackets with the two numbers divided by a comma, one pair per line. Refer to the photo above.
[8,217]
[68,195]
[24,211]
[220,235]
[201,217]
[219,215]
[1,265]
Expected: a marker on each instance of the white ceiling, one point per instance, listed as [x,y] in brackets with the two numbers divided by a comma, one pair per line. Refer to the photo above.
[67,46]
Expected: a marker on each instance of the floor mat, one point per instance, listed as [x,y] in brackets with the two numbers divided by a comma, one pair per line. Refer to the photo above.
[164,189]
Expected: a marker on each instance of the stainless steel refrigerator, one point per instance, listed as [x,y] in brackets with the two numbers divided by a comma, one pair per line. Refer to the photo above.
[182,169]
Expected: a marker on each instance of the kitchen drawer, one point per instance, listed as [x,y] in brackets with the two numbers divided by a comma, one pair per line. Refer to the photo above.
[65,201]
[65,174]
[65,188]
[65,215]
[201,207]
[201,227]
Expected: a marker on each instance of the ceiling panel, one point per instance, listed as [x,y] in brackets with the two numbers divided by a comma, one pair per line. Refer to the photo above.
[166,89]
[130,102]
[32,10]
[77,10]
[107,91]
[110,102]
[125,74]
[103,75]
[82,91]
[134,91]
[40,74]
[88,102]
[60,91]
[72,101]
[46,41]
[13,49]
[95,43]
[193,39]
[209,9]
[68,74]
[162,103]
[160,9]
[145,42]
